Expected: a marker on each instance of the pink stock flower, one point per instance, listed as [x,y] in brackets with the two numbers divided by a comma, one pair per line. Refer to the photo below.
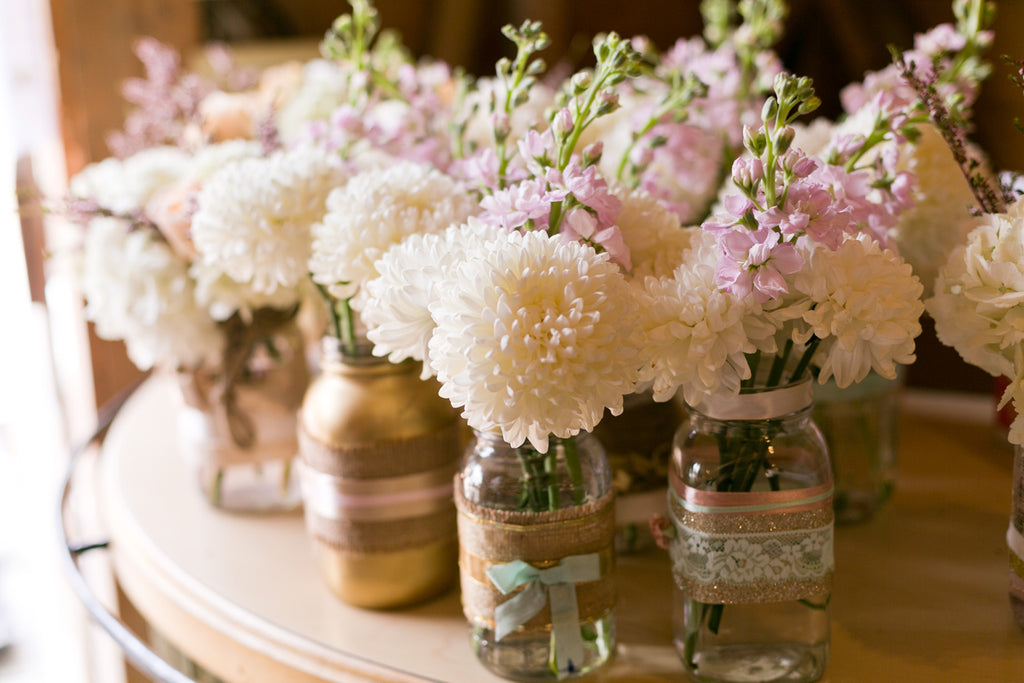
[756,261]
[512,207]
[589,188]
[580,224]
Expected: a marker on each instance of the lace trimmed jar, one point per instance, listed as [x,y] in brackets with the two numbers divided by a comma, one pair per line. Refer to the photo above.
[378,449]
[750,500]
[536,536]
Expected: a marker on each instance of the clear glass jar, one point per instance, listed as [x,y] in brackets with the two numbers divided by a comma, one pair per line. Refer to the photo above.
[639,445]
[238,438]
[750,500]
[861,427]
[532,494]
[1015,538]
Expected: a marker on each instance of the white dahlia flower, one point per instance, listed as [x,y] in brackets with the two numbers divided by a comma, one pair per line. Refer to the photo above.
[652,233]
[139,291]
[866,309]
[124,186]
[979,292]
[254,216]
[536,337]
[374,211]
[397,307]
[698,334]
[940,218]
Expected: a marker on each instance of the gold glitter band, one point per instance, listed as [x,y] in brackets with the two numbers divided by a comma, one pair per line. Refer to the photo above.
[488,537]
[706,523]
[726,594]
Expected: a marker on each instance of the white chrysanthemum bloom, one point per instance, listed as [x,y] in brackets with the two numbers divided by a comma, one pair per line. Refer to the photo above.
[254,216]
[124,186]
[866,309]
[139,291]
[979,292]
[324,87]
[211,158]
[536,337]
[698,334]
[652,233]
[223,296]
[396,311]
[374,211]
[813,138]
[940,219]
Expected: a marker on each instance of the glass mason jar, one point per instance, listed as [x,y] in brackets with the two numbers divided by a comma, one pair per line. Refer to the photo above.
[1015,538]
[639,444]
[861,427]
[378,452]
[750,500]
[537,529]
[238,438]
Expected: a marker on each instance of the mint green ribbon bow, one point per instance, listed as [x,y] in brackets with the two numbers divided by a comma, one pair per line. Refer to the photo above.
[556,585]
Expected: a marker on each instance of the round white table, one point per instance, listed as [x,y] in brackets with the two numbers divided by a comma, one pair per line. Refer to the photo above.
[920,591]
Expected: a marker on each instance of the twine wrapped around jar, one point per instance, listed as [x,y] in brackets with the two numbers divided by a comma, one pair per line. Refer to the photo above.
[236,423]
[491,538]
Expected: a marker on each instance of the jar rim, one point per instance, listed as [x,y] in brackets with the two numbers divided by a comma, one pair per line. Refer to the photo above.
[758,403]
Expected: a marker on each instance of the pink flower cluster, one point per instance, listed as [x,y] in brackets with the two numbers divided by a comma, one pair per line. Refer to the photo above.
[411,127]
[820,203]
[576,198]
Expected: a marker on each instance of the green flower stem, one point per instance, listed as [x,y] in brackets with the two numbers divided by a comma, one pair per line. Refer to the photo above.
[342,320]
[572,464]
[217,490]
[805,359]
[551,474]
[531,495]
[286,476]
[779,364]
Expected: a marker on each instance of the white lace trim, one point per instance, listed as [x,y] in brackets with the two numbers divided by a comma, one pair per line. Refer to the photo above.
[746,559]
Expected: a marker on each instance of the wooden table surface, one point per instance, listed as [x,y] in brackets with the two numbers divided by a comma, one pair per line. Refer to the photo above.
[920,590]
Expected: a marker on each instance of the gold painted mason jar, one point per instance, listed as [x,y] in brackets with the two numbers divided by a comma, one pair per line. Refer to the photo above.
[378,448]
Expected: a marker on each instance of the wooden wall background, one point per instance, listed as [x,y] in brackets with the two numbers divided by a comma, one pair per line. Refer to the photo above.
[833,41]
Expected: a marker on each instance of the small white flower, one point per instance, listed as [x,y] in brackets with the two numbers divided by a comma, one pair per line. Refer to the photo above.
[138,290]
[324,87]
[536,337]
[655,239]
[254,216]
[978,294]
[697,334]
[940,218]
[374,211]
[397,307]
[866,309]
[125,186]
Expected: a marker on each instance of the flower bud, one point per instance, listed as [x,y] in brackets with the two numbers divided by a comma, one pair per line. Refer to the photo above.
[581,81]
[754,141]
[783,139]
[562,123]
